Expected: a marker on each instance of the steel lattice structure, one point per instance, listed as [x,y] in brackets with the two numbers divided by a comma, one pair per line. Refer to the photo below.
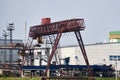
[58,28]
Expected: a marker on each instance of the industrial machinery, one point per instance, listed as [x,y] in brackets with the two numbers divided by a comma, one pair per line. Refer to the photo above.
[58,28]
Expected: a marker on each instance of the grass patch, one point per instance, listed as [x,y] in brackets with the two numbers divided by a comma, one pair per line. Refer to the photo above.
[106,78]
[38,78]
[13,78]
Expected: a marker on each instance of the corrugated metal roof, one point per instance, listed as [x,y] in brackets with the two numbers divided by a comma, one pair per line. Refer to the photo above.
[100,43]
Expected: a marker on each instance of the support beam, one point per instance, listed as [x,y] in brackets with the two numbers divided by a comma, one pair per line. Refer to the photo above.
[81,45]
[52,40]
[54,28]
[52,52]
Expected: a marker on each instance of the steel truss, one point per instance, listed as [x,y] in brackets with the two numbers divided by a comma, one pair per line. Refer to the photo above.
[58,28]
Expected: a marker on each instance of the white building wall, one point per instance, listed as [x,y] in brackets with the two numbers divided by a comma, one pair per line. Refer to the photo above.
[113,40]
[68,52]
[37,57]
[98,54]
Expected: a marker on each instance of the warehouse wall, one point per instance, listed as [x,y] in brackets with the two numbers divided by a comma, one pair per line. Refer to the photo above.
[98,54]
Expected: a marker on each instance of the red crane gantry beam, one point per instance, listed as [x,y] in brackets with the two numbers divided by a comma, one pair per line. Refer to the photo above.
[75,25]
[55,28]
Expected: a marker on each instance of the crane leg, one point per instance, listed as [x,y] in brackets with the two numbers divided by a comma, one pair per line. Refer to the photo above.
[52,53]
[81,45]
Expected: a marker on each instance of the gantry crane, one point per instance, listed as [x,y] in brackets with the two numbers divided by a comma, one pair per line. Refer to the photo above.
[58,28]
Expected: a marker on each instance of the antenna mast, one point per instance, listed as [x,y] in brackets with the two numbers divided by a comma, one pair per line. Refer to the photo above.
[25,32]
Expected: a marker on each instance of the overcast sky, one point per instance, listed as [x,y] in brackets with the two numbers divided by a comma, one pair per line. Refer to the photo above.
[101,16]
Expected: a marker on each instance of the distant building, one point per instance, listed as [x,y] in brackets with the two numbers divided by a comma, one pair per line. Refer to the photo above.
[15,52]
[114,36]
[98,54]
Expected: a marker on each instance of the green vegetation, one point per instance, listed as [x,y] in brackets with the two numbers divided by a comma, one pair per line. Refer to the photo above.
[106,79]
[14,78]
[37,78]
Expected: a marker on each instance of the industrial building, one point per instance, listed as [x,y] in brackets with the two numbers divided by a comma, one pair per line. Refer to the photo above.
[51,60]
[9,62]
[69,58]
[5,52]
[114,36]
[99,54]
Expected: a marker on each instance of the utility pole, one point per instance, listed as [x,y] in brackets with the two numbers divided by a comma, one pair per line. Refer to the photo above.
[5,42]
[11,28]
[116,69]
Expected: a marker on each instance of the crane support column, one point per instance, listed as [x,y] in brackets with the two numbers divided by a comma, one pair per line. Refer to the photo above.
[81,45]
[52,52]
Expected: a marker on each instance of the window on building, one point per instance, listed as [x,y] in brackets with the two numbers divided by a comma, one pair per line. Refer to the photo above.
[111,58]
[114,57]
[118,57]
